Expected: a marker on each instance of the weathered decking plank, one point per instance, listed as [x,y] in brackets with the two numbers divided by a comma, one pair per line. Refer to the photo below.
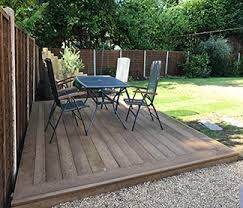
[53,164]
[80,158]
[26,171]
[66,156]
[40,162]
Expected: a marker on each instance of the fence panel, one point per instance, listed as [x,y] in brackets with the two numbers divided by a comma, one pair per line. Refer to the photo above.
[137,62]
[87,56]
[106,61]
[175,58]
[154,56]
[24,66]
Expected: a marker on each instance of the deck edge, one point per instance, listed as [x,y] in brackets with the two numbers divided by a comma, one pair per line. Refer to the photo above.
[56,197]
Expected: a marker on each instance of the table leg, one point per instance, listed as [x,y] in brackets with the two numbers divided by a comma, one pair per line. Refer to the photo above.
[94,97]
[115,107]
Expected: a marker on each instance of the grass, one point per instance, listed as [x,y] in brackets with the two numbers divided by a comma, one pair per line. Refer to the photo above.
[211,99]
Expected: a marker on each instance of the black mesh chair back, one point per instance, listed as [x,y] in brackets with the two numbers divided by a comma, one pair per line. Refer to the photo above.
[71,105]
[52,81]
[153,79]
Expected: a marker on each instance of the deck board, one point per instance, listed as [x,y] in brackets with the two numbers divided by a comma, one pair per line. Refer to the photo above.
[40,162]
[53,164]
[109,158]
[79,156]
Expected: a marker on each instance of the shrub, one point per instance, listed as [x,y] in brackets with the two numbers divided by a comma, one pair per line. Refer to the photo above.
[233,69]
[71,62]
[219,53]
[197,66]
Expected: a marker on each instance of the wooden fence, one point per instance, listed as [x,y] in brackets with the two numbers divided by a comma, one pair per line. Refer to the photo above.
[19,62]
[100,61]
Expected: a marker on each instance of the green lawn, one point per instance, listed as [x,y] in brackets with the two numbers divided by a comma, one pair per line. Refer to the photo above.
[191,100]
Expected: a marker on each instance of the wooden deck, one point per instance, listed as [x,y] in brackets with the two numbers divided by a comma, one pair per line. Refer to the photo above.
[110,158]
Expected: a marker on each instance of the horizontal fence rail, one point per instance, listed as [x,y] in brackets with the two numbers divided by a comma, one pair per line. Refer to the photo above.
[18,72]
[104,61]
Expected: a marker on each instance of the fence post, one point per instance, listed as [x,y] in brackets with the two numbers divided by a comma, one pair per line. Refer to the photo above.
[166,63]
[38,65]
[188,56]
[120,53]
[94,61]
[144,63]
[34,71]
[239,57]
[28,76]
[10,12]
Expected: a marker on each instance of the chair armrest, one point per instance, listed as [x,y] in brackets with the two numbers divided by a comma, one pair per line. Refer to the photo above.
[73,95]
[144,92]
[67,89]
[65,81]
[137,87]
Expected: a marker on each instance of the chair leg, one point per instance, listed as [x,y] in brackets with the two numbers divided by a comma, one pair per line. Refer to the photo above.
[86,133]
[128,113]
[92,118]
[157,117]
[50,115]
[103,102]
[117,101]
[136,117]
[75,117]
[54,129]
[150,113]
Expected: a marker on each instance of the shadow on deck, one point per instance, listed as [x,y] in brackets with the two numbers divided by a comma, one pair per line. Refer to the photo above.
[109,158]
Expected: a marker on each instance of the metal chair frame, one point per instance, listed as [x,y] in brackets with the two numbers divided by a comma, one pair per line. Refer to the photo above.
[70,105]
[148,96]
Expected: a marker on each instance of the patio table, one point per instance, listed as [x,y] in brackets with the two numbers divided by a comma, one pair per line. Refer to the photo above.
[95,85]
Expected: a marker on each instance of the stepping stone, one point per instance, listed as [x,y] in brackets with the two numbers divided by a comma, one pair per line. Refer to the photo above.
[233,122]
[212,126]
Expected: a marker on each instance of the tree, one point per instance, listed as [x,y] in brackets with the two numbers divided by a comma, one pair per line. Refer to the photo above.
[134,24]
[137,24]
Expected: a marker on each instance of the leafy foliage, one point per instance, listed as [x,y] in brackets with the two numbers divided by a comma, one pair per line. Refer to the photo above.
[219,52]
[198,66]
[131,24]
[71,62]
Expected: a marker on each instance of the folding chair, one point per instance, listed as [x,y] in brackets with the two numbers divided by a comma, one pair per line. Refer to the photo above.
[66,102]
[148,95]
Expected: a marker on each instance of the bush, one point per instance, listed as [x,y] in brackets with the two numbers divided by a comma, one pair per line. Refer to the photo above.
[237,69]
[197,66]
[71,62]
[233,69]
[219,53]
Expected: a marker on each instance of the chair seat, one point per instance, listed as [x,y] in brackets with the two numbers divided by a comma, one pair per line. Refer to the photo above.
[71,106]
[140,102]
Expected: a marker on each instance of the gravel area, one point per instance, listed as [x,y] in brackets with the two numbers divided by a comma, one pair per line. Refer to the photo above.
[217,186]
